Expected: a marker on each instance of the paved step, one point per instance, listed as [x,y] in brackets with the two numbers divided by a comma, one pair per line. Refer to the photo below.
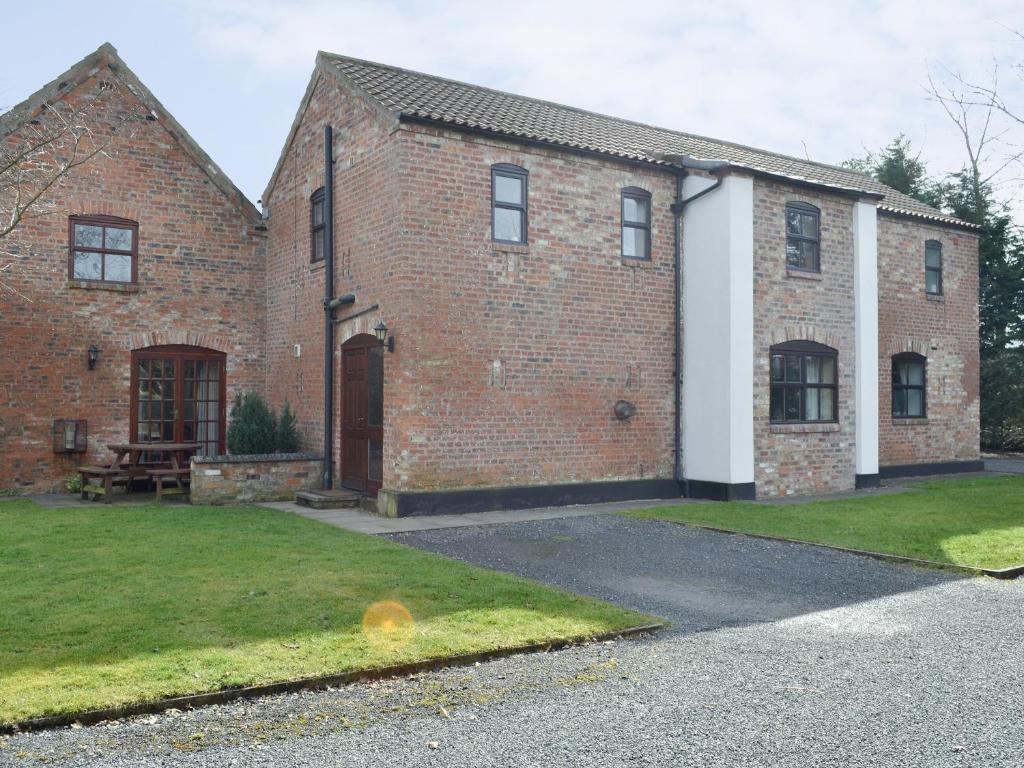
[328,499]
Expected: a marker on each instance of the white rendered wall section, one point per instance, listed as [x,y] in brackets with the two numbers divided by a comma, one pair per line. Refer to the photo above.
[865,290]
[718,332]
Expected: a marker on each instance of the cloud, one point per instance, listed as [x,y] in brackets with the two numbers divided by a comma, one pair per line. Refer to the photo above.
[830,79]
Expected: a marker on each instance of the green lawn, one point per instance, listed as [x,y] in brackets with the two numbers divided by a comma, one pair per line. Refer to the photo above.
[977,522]
[108,605]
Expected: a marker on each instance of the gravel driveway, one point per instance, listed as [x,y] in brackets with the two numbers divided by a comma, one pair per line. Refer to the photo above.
[780,654]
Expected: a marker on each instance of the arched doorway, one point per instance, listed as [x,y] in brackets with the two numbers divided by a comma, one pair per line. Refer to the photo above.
[362,414]
[178,394]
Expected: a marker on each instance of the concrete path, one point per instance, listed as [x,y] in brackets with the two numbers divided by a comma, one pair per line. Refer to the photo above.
[1010,464]
[364,522]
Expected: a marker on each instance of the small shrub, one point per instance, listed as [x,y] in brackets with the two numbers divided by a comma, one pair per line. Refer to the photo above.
[253,428]
[74,483]
[287,432]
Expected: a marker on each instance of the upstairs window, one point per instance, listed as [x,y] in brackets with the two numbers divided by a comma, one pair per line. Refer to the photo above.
[933,267]
[102,249]
[908,389]
[508,203]
[803,383]
[316,223]
[803,237]
[636,223]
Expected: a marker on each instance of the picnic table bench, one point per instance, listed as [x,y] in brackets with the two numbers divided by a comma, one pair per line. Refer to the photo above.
[127,466]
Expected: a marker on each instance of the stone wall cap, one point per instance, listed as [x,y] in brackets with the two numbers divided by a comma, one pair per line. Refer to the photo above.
[256,457]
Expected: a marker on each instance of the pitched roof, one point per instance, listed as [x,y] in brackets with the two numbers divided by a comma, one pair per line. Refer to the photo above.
[416,96]
[105,58]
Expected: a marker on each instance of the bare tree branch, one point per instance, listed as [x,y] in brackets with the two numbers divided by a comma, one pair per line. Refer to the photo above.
[41,154]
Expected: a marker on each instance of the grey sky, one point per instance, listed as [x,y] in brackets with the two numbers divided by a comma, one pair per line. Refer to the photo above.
[826,79]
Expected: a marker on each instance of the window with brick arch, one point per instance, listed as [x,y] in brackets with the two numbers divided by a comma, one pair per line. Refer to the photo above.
[933,267]
[509,203]
[803,237]
[909,392]
[636,223]
[103,249]
[803,383]
[317,228]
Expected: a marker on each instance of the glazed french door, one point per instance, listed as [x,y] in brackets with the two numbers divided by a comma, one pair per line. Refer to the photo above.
[178,397]
[362,415]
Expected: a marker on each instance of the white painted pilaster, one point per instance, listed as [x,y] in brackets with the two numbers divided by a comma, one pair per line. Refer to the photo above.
[718,332]
[865,289]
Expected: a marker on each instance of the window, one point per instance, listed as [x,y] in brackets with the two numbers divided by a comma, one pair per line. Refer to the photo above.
[803,227]
[636,223]
[316,223]
[933,267]
[803,382]
[102,249]
[178,396]
[908,389]
[508,203]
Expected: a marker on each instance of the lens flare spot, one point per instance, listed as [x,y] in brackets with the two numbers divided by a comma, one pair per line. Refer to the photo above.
[388,625]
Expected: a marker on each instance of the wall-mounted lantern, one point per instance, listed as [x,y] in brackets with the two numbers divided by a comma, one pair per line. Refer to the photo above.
[94,356]
[381,332]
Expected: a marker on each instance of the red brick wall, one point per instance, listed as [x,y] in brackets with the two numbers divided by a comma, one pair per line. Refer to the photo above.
[200,278]
[801,459]
[942,328]
[366,255]
[511,358]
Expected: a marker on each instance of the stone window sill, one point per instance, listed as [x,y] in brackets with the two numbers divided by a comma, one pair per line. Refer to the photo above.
[803,274]
[627,261]
[802,429]
[935,297]
[509,247]
[911,422]
[91,285]
[316,266]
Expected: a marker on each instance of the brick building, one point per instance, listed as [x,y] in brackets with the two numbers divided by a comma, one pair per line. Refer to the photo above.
[522,258]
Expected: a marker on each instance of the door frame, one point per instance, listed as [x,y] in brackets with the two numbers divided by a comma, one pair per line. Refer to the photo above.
[369,343]
[179,353]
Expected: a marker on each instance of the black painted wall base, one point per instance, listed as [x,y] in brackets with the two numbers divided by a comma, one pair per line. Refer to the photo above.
[867,481]
[455,502]
[707,489]
[934,468]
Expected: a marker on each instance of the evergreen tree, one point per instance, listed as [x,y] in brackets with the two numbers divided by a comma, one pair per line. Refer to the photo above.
[899,167]
[253,429]
[287,432]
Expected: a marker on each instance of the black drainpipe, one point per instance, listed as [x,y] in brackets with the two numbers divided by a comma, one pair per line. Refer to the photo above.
[677,372]
[328,478]
[680,165]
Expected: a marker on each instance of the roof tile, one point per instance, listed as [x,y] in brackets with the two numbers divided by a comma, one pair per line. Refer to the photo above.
[415,95]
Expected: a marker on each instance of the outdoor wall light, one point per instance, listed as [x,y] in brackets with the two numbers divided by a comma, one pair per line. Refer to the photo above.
[381,332]
[94,355]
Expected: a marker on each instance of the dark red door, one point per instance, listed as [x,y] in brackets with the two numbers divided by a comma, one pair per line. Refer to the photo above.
[362,414]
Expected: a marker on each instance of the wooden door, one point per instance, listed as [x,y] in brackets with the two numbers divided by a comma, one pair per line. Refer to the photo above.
[362,414]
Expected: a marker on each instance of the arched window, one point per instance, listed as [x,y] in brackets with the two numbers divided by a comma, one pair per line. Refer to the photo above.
[508,203]
[908,386]
[803,383]
[803,237]
[933,267]
[103,249]
[178,396]
[636,223]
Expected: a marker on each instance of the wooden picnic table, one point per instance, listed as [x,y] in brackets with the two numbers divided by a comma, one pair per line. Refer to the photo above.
[127,465]
[133,452]
[176,475]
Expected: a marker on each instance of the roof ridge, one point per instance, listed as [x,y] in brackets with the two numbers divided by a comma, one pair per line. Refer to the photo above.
[594,113]
[106,56]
